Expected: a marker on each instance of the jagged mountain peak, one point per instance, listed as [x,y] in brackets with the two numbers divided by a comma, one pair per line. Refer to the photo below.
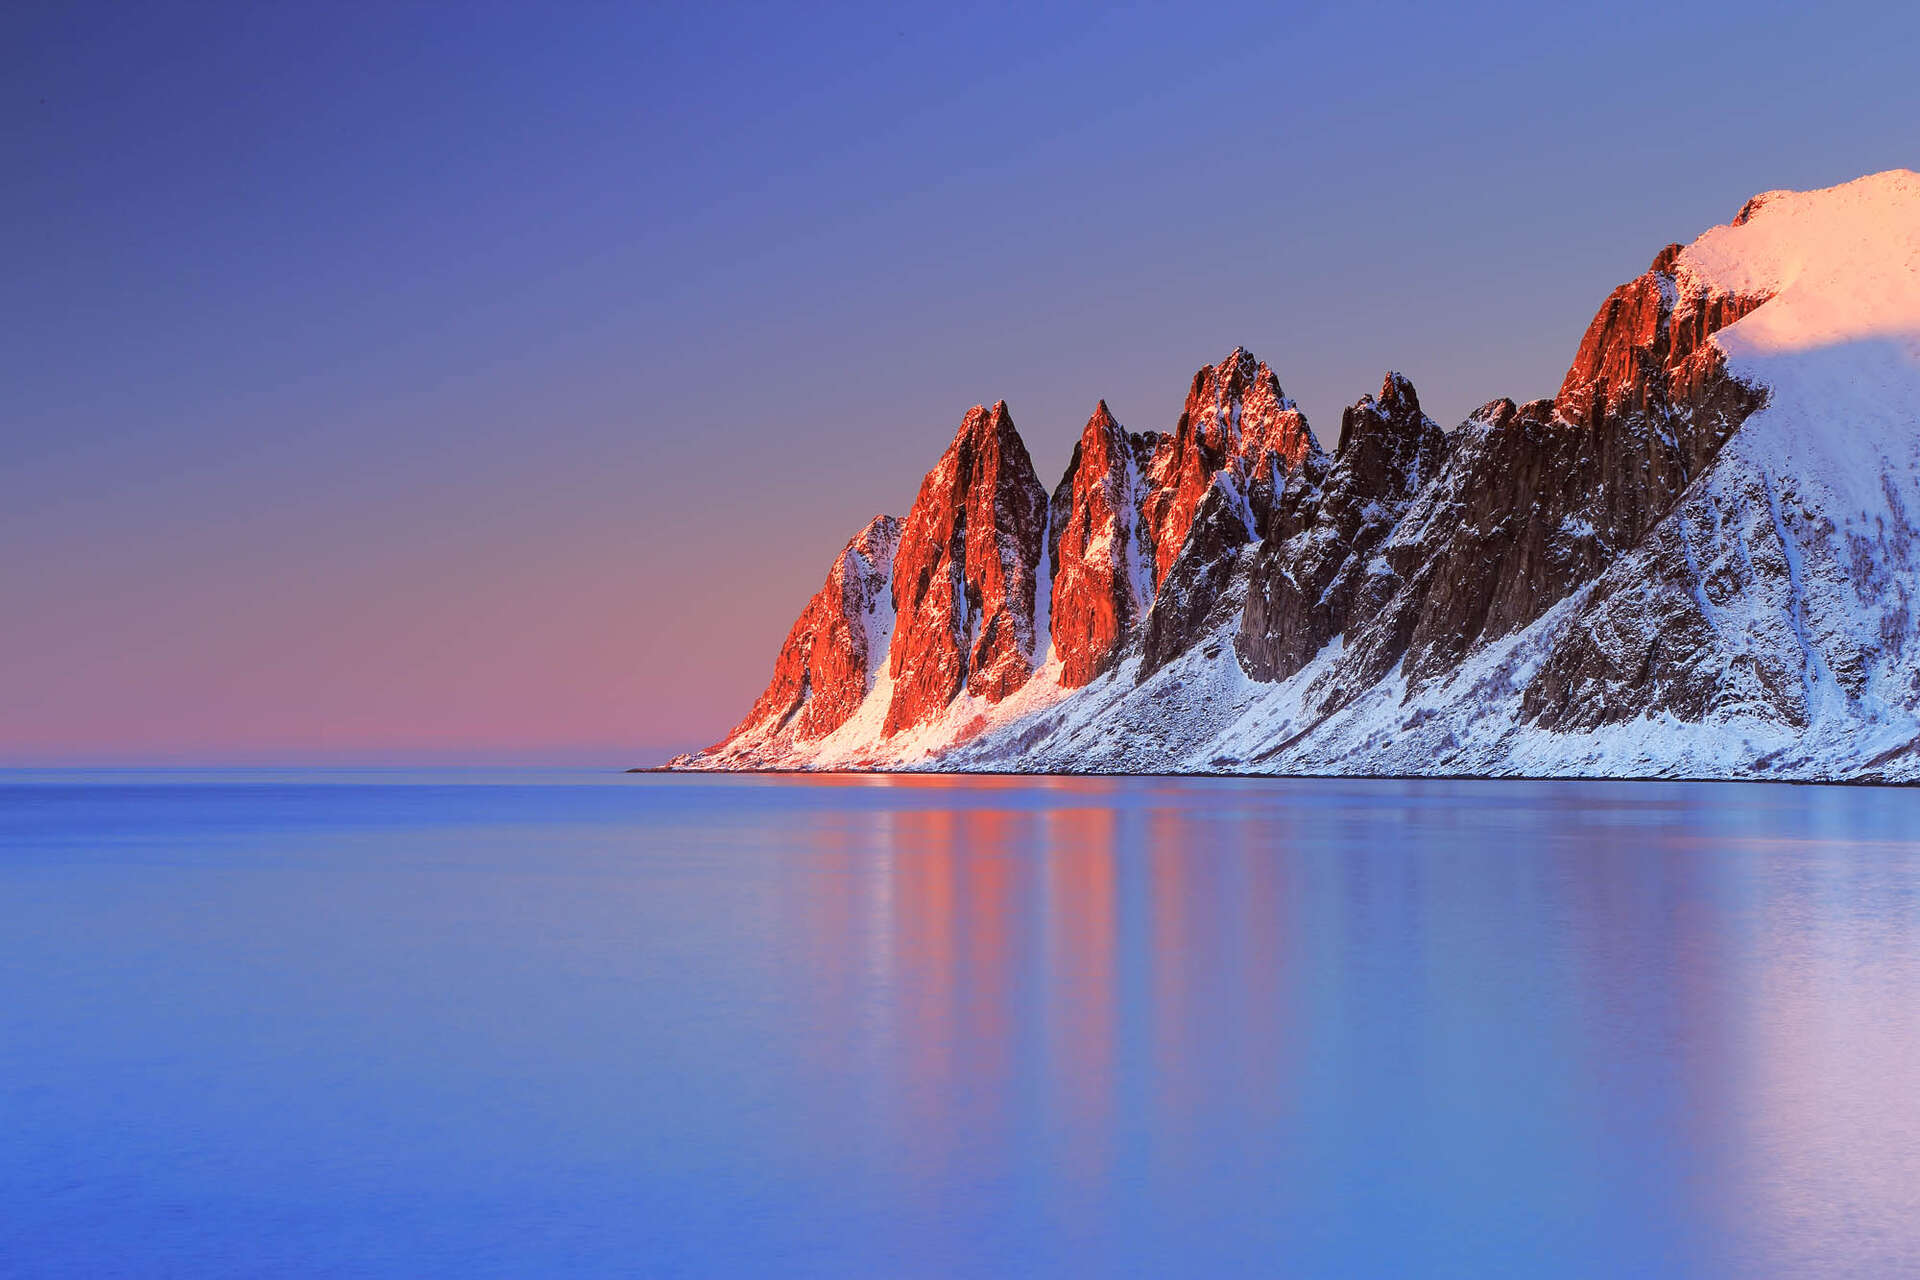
[1397,407]
[883,531]
[966,573]
[827,666]
[1397,395]
[1218,389]
[1099,548]
[995,417]
[1699,557]
[1240,363]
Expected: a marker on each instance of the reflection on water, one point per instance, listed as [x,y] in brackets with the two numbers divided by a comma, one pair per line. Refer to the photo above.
[941,1027]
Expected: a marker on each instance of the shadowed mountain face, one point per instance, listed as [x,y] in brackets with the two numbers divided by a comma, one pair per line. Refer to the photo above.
[1696,559]
[1314,577]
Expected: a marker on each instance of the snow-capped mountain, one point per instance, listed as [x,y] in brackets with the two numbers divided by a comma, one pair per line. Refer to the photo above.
[1699,559]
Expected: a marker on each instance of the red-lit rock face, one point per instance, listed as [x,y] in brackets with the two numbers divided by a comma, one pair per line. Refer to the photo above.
[1234,410]
[1647,349]
[1271,428]
[965,573]
[836,645]
[1102,575]
[1700,554]
[1216,482]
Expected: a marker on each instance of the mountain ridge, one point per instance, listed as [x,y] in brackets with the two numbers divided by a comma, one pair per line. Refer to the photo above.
[1697,558]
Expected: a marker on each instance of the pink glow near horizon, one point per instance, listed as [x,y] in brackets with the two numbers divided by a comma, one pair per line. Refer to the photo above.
[382,391]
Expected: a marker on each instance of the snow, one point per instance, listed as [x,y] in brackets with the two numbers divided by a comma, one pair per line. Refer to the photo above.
[1839,265]
[1040,644]
[1139,560]
[1799,548]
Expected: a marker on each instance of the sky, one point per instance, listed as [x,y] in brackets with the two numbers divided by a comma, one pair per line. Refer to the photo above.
[494,383]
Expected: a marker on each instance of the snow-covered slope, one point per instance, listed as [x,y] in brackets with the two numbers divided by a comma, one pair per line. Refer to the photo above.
[1699,560]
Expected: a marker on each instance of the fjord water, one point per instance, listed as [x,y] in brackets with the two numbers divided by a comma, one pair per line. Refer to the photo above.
[560,1024]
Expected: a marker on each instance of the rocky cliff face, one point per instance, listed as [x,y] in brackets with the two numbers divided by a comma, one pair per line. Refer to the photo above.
[1539,498]
[1151,526]
[1647,352]
[1699,558]
[827,666]
[1265,444]
[1102,553]
[1235,410]
[1316,576]
[966,573]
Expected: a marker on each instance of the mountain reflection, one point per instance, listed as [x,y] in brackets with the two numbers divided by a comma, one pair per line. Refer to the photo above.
[1358,1020]
[961,1027]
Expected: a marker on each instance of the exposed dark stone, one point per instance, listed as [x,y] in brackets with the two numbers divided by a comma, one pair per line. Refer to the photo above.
[1536,501]
[1316,564]
[1193,598]
[1234,410]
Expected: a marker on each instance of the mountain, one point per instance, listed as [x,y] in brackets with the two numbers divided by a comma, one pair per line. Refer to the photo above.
[1699,559]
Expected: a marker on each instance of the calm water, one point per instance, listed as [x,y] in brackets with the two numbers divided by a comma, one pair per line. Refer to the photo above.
[550,1024]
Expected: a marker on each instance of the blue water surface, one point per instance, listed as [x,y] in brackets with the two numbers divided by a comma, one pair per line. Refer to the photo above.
[551,1024]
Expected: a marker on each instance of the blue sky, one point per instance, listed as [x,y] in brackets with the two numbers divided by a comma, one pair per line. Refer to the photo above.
[497,381]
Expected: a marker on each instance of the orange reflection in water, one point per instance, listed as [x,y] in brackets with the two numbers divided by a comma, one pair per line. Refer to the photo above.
[1081,999]
[988,945]
[981,943]
[1083,1004]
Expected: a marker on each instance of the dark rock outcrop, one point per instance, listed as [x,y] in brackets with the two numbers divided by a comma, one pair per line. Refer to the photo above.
[1216,482]
[1234,409]
[1203,586]
[1650,641]
[1543,503]
[1538,499]
[1315,575]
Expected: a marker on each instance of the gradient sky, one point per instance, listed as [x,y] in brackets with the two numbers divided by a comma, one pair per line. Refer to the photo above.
[496,382]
